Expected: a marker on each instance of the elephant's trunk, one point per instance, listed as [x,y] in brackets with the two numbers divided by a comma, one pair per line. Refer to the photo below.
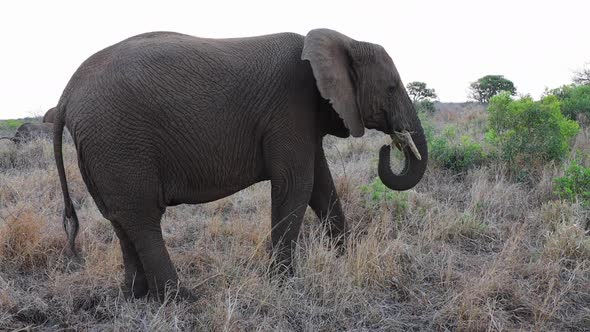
[414,164]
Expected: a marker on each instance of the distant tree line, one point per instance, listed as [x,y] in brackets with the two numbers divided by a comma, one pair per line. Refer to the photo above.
[575,97]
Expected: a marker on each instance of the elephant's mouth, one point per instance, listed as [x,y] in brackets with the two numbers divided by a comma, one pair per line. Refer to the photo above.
[403,140]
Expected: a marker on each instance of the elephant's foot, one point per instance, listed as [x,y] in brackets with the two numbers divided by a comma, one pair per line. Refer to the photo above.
[186,294]
[337,241]
[177,294]
[281,269]
[139,288]
[281,273]
[135,289]
[73,263]
[339,244]
[337,233]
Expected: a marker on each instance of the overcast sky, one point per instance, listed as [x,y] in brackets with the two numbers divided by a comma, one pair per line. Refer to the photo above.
[447,44]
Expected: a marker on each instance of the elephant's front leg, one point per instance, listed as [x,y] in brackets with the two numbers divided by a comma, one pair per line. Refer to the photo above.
[292,181]
[324,200]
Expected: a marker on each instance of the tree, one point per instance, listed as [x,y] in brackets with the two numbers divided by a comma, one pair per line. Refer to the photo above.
[490,85]
[582,76]
[418,91]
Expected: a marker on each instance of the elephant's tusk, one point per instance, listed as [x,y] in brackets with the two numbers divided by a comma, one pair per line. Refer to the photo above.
[406,138]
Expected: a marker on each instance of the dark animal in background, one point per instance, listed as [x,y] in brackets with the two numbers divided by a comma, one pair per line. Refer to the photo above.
[30,131]
[49,116]
[162,119]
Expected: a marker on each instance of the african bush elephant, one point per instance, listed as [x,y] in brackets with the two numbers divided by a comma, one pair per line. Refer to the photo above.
[162,119]
[29,131]
[49,116]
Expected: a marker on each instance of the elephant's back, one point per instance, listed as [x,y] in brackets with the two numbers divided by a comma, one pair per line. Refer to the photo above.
[171,50]
[182,82]
[241,47]
[173,69]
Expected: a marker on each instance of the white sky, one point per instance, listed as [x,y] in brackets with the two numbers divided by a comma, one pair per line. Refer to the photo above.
[446,44]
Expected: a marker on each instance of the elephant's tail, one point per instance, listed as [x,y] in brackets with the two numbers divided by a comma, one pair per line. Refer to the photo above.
[70,219]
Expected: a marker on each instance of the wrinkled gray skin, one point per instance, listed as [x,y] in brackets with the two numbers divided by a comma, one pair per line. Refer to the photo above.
[29,131]
[49,116]
[162,119]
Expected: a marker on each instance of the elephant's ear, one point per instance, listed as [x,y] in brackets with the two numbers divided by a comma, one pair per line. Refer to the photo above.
[327,52]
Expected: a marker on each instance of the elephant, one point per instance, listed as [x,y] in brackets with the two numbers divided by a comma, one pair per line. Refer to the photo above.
[49,116]
[29,131]
[163,118]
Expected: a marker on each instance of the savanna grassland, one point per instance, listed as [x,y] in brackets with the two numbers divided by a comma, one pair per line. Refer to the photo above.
[476,246]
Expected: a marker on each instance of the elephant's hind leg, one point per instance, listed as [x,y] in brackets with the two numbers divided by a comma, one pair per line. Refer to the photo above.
[135,284]
[145,234]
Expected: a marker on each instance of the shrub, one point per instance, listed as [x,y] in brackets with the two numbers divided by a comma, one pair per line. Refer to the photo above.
[575,184]
[576,100]
[459,157]
[529,133]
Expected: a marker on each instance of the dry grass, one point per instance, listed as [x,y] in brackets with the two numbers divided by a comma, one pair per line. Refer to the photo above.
[470,253]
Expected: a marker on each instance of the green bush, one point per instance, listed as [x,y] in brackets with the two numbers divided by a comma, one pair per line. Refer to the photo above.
[576,101]
[529,133]
[446,151]
[575,184]
[458,157]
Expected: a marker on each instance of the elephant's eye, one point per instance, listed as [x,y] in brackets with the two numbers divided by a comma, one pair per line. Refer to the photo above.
[390,89]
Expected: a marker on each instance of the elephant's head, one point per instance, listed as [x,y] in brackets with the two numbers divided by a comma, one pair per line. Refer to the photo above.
[365,89]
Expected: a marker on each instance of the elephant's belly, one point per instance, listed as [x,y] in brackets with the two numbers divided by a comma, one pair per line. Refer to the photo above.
[186,194]
[209,172]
